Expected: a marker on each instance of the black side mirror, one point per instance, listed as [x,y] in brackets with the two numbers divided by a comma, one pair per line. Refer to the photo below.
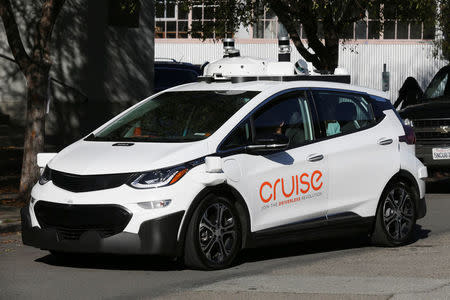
[269,143]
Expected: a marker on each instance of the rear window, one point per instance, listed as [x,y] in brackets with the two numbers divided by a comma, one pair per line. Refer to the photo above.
[341,113]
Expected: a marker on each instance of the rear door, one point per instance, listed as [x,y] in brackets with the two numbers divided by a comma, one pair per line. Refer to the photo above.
[362,151]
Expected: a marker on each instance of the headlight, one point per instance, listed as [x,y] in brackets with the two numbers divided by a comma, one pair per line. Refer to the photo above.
[158,178]
[162,177]
[45,176]
[408,122]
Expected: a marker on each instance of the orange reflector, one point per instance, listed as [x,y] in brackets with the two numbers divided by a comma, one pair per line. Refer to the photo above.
[178,176]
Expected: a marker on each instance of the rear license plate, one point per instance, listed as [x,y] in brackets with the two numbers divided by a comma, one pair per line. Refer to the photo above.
[441,153]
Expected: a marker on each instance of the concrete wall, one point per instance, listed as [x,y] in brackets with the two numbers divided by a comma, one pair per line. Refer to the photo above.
[363,61]
[100,69]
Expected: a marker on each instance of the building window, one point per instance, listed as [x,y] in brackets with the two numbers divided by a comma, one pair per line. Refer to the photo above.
[174,20]
[165,19]
[267,27]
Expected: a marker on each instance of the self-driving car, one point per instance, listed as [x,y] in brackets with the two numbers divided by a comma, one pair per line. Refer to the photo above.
[256,152]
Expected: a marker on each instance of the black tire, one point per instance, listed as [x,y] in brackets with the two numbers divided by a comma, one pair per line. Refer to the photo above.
[396,216]
[211,244]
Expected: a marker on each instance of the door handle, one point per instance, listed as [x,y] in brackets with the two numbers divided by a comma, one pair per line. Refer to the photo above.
[314,157]
[384,141]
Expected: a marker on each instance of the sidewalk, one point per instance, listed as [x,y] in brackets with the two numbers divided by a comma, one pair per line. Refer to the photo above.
[9,216]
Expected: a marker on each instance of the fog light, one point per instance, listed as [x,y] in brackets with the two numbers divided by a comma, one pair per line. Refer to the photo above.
[154,204]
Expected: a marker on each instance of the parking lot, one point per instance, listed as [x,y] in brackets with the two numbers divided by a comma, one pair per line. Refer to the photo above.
[330,269]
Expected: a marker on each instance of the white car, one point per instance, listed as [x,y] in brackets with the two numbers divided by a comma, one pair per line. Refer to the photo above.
[206,169]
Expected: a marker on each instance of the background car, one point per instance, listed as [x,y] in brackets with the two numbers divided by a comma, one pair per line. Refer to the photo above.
[170,73]
[431,120]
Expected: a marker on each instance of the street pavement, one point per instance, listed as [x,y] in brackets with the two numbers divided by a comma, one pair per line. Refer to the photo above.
[329,269]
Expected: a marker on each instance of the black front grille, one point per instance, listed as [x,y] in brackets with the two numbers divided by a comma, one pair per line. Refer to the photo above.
[432,135]
[71,221]
[431,123]
[86,183]
[428,130]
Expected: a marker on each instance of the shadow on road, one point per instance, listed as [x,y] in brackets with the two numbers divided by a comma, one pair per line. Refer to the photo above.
[113,262]
[152,263]
[312,247]
[438,185]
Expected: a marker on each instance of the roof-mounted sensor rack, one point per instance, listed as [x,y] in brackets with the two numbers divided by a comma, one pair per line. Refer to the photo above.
[236,69]
[288,78]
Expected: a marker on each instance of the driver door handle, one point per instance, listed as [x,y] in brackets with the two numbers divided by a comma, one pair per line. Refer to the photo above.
[384,141]
[314,157]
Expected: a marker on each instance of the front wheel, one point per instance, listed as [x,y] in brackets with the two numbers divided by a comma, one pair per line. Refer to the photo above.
[214,235]
[396,216]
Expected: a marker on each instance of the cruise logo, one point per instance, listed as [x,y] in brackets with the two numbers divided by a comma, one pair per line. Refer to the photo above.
[295,184]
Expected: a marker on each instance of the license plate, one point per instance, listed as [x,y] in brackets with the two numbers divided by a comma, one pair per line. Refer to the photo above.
[441,153]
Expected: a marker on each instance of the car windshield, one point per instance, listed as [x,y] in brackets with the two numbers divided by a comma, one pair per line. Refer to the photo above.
[437,86]
[176,117]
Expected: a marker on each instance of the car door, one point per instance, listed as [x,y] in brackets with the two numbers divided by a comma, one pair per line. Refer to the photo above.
[362,151]
[283,187]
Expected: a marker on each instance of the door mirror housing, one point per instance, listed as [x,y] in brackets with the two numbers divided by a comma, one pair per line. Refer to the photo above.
[268,144]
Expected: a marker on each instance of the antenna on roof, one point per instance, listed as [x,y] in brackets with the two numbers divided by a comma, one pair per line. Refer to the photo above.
[228,48]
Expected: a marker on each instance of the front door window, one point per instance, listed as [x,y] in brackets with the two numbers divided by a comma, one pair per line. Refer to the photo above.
[289,116]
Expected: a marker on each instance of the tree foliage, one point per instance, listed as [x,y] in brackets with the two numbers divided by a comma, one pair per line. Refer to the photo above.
[443,41]
[325,22]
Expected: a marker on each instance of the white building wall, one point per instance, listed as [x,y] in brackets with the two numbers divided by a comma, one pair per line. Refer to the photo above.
[364,62]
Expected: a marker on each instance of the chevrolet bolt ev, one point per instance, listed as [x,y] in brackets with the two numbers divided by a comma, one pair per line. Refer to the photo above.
[203,170]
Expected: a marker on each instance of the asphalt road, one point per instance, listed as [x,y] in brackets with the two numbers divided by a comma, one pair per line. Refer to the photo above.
[342,269]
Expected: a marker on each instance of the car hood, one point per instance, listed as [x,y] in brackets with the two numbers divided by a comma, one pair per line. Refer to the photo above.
[431,109]
[93,158]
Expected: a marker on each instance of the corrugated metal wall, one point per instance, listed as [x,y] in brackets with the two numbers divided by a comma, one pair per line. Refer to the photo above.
[364,62]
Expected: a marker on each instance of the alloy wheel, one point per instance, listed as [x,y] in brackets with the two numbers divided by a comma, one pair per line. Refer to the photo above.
[398,213]
[217,233]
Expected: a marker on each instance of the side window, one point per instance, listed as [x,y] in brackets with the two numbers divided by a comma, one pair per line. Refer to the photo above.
[289,115]
[241,136]
[342,112]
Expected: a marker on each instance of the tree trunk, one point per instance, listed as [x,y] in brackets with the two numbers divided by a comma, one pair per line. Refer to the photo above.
[37,83]
[331,60]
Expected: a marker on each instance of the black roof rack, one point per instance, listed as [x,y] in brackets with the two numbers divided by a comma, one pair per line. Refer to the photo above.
[288,78]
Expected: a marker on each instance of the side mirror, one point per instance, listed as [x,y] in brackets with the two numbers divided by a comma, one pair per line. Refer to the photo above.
[267,144]
[44,158]
[213,164]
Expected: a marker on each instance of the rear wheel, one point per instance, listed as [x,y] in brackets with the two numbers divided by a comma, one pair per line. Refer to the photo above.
[396,216]
[214,235]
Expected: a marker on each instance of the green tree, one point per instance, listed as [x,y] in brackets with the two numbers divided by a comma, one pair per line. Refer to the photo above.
[35,65]
[325,22]
[442,42]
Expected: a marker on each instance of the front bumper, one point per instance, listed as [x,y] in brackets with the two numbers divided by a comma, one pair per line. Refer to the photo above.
[155,237]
